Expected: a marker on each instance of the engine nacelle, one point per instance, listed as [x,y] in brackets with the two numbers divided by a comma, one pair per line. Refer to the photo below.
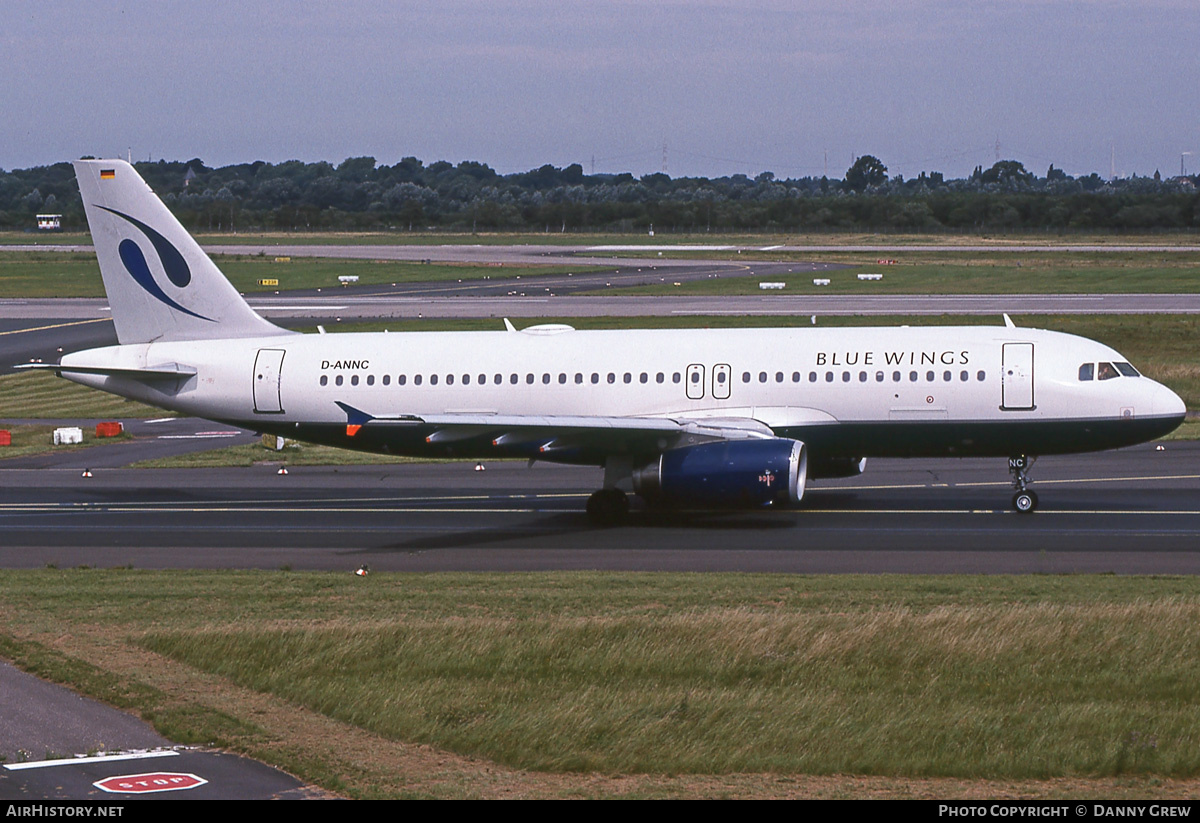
[726,474]
[831,467]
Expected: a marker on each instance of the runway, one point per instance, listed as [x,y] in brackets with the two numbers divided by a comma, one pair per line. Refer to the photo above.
[1129,512]
[1133,511]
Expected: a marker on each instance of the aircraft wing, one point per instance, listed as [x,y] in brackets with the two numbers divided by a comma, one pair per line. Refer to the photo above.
[556,436]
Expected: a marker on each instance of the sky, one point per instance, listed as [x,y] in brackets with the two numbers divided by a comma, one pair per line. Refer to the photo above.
[695,88]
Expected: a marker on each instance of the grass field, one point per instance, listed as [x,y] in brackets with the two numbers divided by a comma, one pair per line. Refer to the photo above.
[38,439]
[595,684]
[39,394]
[953,272]
[292,454]
[68,274]
[639,237]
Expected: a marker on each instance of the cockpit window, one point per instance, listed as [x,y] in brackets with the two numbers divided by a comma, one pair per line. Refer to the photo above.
[1126,370]
[1107,372]
[1087,371]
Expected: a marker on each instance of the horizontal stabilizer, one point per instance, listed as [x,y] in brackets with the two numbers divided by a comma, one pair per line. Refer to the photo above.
[161,372]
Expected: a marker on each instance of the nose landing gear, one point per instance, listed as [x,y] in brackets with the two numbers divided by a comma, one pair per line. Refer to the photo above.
[1024,501]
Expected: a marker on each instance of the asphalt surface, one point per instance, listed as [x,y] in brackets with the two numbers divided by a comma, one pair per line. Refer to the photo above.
[1133,511]
[1126,512]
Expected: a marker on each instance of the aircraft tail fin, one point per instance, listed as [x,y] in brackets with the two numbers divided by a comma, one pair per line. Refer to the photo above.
[161,285]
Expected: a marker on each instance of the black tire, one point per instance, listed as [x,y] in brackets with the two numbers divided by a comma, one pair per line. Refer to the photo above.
[1025,502]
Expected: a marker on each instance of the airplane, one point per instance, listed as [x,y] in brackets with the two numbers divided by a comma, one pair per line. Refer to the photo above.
[692,418]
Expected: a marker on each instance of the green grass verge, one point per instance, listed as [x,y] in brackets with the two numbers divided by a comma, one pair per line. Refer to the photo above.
[637,237]
[1004,677]
[55,274]
[39,394]
[952,272]
[31,440]
[293,454]
[69,274]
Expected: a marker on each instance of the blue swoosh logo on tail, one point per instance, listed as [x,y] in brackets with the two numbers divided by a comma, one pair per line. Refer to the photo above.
[173,264]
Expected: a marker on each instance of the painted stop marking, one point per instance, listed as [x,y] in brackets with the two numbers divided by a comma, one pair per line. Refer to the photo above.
[152,782]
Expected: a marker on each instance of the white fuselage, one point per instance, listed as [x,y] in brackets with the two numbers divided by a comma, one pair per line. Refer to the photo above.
[796,381]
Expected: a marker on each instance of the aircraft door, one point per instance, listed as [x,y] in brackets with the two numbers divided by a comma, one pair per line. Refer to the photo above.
[695,382]
[267,369]
[1017,377]
[720,382]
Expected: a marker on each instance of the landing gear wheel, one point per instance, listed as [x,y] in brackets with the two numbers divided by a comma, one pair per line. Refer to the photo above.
[1025,502]
[608,507]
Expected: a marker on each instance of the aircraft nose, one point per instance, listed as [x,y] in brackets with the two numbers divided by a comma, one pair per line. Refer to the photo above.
[1167,403]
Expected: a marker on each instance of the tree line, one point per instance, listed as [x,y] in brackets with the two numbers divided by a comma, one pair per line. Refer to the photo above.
[361,194]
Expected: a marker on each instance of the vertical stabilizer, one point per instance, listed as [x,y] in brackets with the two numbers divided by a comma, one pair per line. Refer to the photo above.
[161,285]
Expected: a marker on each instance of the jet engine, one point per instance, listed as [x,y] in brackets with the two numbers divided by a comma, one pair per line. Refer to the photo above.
[828,468]
[726,474]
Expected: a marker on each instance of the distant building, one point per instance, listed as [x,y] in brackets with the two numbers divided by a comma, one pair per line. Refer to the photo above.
[49,222]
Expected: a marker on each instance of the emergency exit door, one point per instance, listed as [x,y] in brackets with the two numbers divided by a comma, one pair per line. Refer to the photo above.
[267,368]
[1017,377]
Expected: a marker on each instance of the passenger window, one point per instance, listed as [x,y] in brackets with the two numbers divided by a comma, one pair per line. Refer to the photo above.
[762,377]
[658,378]
[562,378]
[324,380]
[845,377]
[912,377]
[643,377]
[528,378]
[981,375]
[595,378]
[387,380]
[1086,372]
[449,380]
[745,377]
[483,380]
[675,377]
[695,377]
[828,377]
[433,379]
[628,377]
[338,380]
[795,377]
[929,377]
[578,378]
[862,377]
[466,379]
[498,379]
[720,378]
[416,379]
[812,377]
[778,377]
[895,377]
[370,380]
[947,376]
[512,378]
[401,379]
[354,379]
[612,378]
[964,376]
[546,379]
[1106,372]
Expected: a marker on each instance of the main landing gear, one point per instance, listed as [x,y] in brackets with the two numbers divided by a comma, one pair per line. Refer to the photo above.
[1024,501]
[608,507]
